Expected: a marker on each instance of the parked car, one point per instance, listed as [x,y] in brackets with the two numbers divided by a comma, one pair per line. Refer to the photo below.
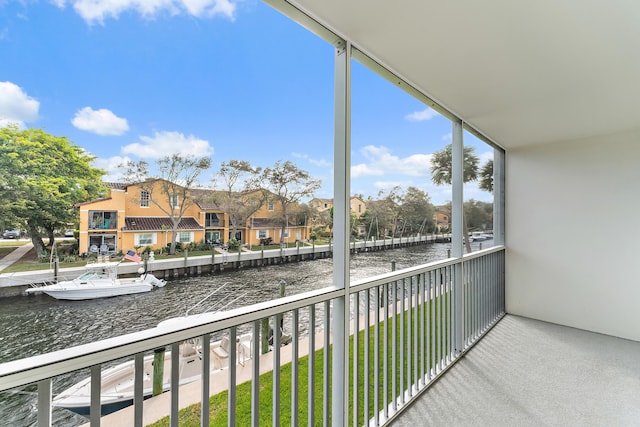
[11,234]
[68,233]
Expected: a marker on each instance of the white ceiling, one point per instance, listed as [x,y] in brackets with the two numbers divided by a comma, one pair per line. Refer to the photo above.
[521,72]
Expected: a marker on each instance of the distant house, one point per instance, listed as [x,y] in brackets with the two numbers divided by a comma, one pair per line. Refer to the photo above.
[321,204]
[127,218]
[442,218]
[357,205]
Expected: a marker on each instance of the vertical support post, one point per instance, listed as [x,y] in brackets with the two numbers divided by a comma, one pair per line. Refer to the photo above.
[341,175]
[56,262]
[457,180]
[158,371]
[498,196]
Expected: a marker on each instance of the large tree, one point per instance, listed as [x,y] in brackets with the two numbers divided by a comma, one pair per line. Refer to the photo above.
[288,185]
[42,178]
[240,196]
[441,173]
[171,189]
[382,214]
[416,210]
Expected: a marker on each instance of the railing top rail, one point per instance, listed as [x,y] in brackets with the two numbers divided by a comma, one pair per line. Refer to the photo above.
[370,282]
[32,369]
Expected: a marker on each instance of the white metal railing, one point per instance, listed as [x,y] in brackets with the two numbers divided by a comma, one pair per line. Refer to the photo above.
[411,325]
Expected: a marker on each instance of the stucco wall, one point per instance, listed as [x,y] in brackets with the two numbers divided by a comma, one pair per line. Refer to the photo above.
[573,234]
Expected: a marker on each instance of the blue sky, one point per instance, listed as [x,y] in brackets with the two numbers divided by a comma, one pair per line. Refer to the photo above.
[140,79]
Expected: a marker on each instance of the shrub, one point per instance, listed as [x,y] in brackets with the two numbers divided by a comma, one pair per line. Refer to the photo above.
[233,244]
[266,241]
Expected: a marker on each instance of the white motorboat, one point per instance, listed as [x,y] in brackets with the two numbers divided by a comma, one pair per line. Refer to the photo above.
[117,383]
[100,280]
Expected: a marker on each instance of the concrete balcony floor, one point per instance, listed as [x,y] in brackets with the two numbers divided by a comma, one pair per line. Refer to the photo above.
[531,373]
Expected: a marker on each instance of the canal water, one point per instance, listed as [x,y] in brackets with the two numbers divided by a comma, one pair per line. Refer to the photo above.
[40,324]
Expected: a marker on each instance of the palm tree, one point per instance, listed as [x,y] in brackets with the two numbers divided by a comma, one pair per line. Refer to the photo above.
[441,173]
[486,177]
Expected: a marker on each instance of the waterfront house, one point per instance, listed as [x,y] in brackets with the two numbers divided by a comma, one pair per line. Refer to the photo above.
[542,328]
[135,216]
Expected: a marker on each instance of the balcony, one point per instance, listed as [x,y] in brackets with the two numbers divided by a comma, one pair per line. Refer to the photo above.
[428,315]
[103,220]
[528,372]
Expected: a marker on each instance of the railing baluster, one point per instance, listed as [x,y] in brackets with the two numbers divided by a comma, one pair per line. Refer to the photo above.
[394,346]
[175,383]
[376,357]
[401,359]
[385,358]
[96,385]
[311,407]
[138,394]
[206,378]
[44,403]
[415,316]
[366,367]
[325,371]
[233,366]
[409,345]
[450,313]
[255,375]
[430,329]
[421,303]
[295,336]
[356,354]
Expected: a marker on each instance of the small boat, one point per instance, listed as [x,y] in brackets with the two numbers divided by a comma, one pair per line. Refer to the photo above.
[478,236]
[100,280]
[117,383]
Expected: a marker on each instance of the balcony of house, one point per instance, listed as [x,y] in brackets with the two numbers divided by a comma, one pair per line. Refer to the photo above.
[213,221]
[103,220]
[427,315]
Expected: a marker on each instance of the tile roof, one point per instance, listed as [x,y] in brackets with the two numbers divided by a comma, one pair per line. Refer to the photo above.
[145,223]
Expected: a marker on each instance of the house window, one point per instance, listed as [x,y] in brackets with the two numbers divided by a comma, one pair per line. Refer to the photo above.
[184,237]
[212,237]
[144,199]
[359,208]
[211,220]
[145,239]
[174,201]
[270,205]
[262,234]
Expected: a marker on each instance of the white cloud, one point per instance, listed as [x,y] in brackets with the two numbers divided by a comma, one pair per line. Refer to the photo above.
[96,11]
[316,162]
[166,143]
[380,162]
[421,116]
[112,166]
[101,122]
[16,106]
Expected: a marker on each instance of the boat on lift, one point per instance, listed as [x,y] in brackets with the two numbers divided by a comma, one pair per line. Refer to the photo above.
[117,382]
[100,280]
